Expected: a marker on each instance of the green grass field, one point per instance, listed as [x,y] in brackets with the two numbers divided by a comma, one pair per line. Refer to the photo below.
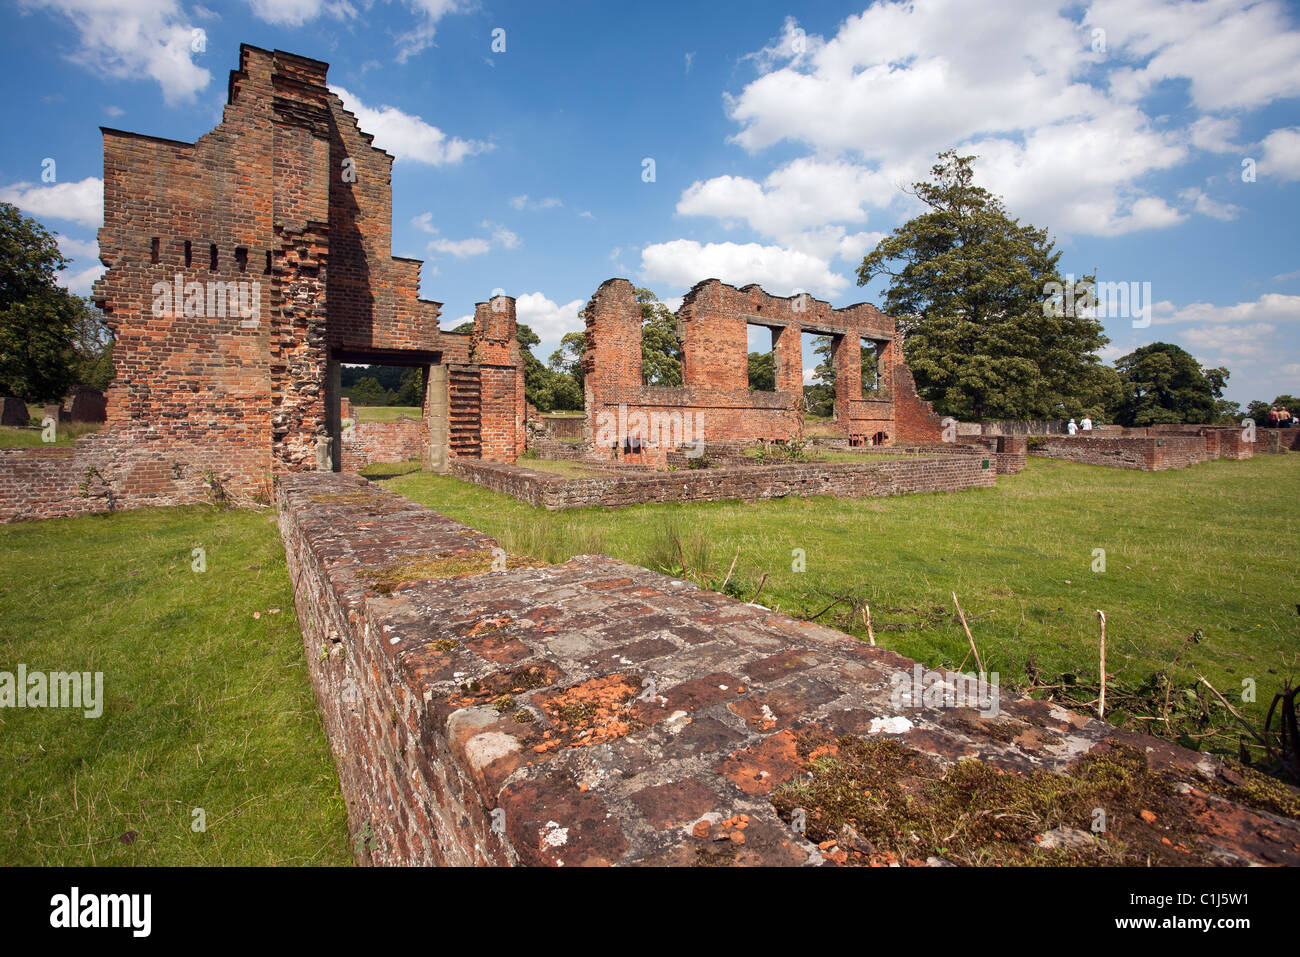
[65,433]
[385,413]
[1211,547]
[205,706]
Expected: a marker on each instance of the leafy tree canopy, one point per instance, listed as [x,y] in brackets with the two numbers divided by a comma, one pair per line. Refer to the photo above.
[1163,383]
[968,285]
[40,321]
[661,350]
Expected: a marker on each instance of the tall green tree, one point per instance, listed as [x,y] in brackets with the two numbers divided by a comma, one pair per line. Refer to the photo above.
[819,395]
[968,284]
[762,372]
[567,360]
[1164,384]
[410,391]
[661,350]
[38,318]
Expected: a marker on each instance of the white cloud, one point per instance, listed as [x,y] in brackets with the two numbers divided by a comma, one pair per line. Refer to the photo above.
[129,39]
[80,281]
[1272,307]
[1281,156]
[805,193]
[428,13]
[1059,129]
[1232,54]
[1231,341]
[408,137]
[497,236]
[79,202]
[78,248]
[780,271]
[548,319]
[294,13]
[1203,204]
[1215,134]
[500,235]
[460,248]
[523,202]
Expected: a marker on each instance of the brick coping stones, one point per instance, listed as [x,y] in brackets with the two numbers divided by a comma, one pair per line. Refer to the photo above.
[594,712]
[961,468]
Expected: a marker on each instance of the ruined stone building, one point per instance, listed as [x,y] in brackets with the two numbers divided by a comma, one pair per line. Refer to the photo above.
[246,268]
[715,399]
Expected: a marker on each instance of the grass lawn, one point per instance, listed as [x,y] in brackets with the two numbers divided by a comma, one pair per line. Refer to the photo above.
[565,468]
[1210,547]
[205,706]
[65,433]
[385,413]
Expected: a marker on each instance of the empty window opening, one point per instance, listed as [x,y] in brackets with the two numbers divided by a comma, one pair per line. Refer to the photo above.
[212,257]
[153,249]
[267,271]
[872,383]
[382,393]
[241,257]
[661,344]
[818,377]
[762,358]
[189,254]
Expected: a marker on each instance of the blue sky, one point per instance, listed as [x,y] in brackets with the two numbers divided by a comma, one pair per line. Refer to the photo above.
[779,138]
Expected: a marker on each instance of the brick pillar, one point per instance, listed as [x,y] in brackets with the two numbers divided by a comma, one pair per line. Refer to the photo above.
[612,361]
[846,359]
[715,347]
[495,349]
[435,419]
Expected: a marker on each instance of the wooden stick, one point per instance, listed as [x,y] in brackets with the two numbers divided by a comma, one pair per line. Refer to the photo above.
[1101,699]
[975,651]
[1253,733]
[866,616]
[730,570]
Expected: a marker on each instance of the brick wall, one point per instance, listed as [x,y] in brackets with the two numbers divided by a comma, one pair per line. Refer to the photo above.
[715,403]
[1148,453]
[401,440]
[597,713]
[285,209]
[1277,440]
[938,473]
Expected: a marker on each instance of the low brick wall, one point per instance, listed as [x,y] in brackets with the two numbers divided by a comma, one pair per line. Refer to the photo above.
[1147,453]
[960,469]
[108,470]
[556,450]
[369,442]
[564,426]
[596,713]
[1277,440]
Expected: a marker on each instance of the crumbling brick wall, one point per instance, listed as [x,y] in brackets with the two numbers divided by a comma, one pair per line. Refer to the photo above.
[1148,453]
[594,712]
[367,443]
[715,402]
[242,268]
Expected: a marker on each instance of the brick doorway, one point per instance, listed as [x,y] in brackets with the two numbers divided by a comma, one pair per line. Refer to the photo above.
[432,411]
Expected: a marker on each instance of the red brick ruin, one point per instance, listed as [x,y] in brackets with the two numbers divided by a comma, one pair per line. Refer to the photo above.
[245,268]
[495,709]
[715,402]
